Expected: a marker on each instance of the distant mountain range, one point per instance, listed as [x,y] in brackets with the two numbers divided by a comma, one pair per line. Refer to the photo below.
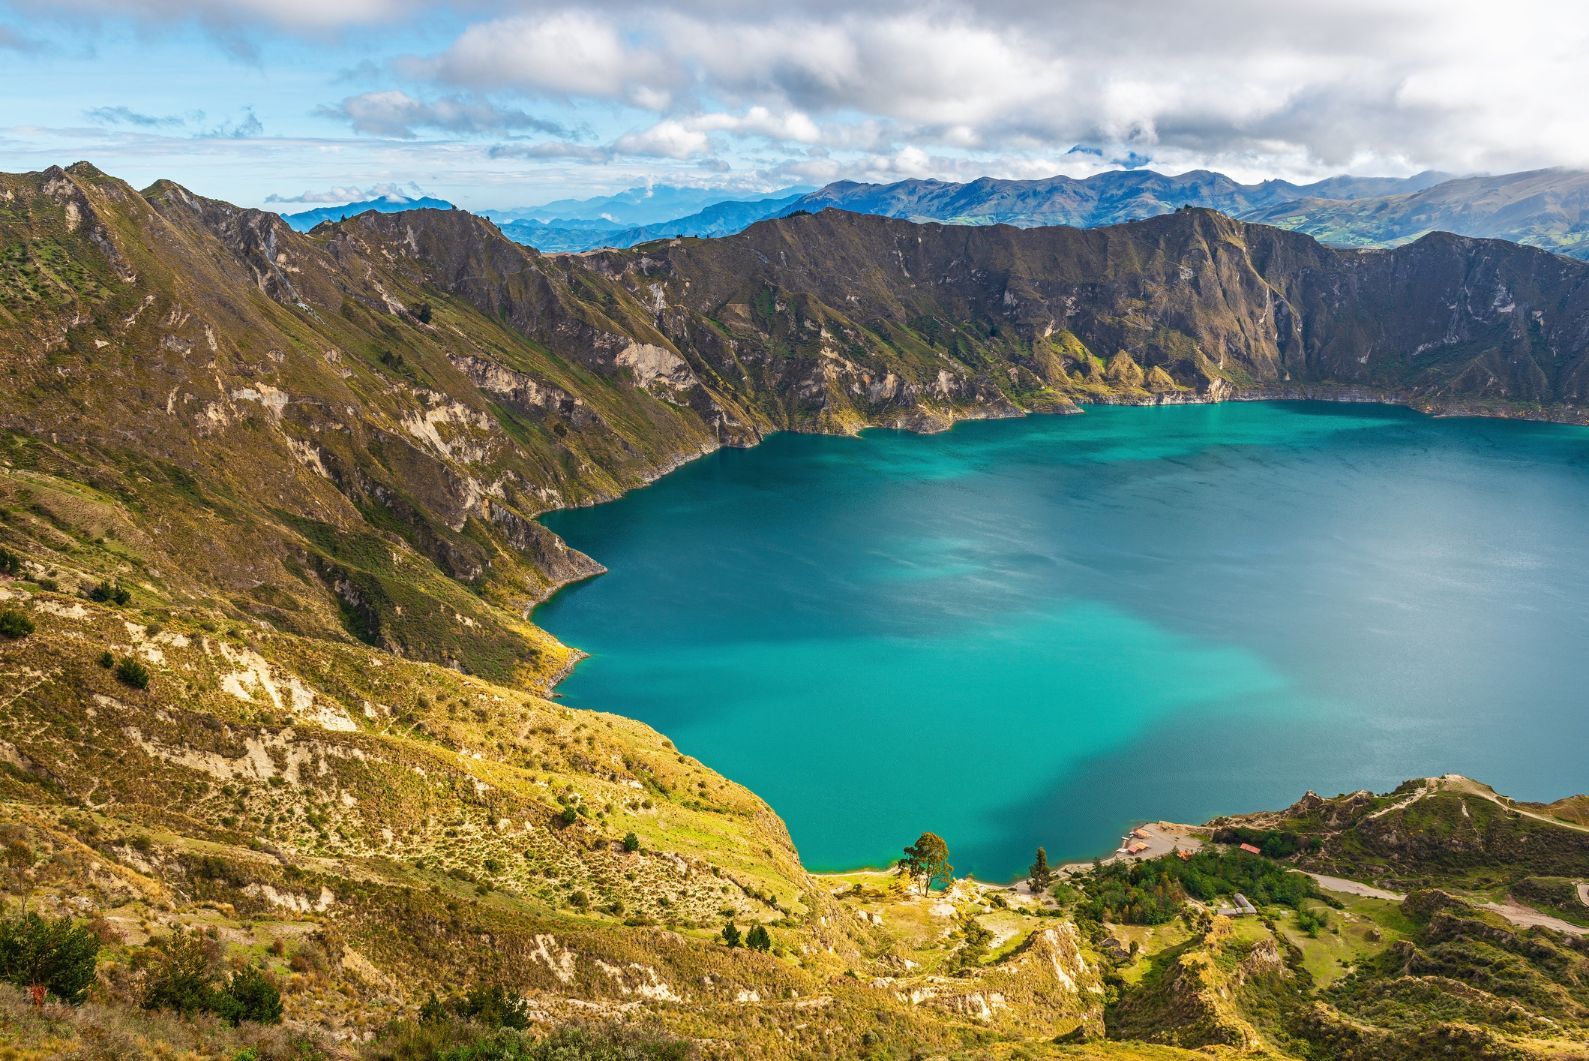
[1542,208]
[634,207]
[1102,199]
[304,220]
[1545,208]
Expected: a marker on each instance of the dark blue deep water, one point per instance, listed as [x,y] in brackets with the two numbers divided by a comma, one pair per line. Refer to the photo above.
[1037,631]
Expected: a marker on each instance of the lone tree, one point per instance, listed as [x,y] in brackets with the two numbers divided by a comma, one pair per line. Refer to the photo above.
[1041,875]
[927,860]
[758,938]
[731,934]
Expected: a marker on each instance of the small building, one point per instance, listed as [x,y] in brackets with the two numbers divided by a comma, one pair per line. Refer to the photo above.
[1136,847]
[1251,850]
[1141,833]
[1183,854]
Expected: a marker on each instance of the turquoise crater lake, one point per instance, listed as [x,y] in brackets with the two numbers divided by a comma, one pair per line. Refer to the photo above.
[1038,631]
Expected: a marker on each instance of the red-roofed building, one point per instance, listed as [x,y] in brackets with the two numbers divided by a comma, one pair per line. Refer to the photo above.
[1250,849]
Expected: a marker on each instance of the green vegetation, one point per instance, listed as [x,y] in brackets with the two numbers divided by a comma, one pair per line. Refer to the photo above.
[1040,874]
[132,673]
[927,861]
[55,955]
[492,1006]
[186,975]
[345,786]
[1274,843]
[109,593]
[1154,892]
[15,624]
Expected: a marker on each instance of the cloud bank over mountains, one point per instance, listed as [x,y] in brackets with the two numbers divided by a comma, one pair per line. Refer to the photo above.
[811,91]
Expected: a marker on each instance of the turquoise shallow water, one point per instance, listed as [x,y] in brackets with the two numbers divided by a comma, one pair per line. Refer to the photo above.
[1041,630]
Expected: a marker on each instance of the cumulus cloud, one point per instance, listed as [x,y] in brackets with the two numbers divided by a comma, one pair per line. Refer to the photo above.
[394,113]
[565,53]
[1312,84]
[955,87]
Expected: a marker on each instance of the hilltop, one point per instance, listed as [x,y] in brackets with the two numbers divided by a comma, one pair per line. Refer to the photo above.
[267,505]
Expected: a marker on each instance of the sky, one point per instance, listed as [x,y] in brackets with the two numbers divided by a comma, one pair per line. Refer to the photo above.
[495,104]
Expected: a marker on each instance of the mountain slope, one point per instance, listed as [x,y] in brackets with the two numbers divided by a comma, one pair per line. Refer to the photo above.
[1102,199]
[1543,208]
[304,220]
[310,464]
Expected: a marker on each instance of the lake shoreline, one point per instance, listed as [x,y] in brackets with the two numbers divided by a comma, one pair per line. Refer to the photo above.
[1212,426]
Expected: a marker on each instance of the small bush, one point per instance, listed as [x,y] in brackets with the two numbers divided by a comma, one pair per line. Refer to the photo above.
[106,660]
[758,938]
[250,995]
[731,934]
[133,673]
[631,842]
[490,1006]
[108,593]
[14,624]
[10,563]
[186,976]
[55,954]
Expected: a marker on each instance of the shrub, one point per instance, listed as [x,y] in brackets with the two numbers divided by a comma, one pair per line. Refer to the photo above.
[133,673]
[631,842]
[14,624]
[106,660]
[731,934]
[758,938]
[108,593]
[1274,843]
[490,1006]
[456,1040]
[1310,921]
[1152,892]
[186,976]
[10,563]
[567,816]
[251,995]
[55,954]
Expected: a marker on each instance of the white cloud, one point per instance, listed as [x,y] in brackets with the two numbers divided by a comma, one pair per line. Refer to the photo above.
[351,194]
[396,114]
[565,53]
[666,139]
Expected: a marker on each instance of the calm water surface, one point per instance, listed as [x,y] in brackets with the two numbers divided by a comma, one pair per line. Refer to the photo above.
[1038,631]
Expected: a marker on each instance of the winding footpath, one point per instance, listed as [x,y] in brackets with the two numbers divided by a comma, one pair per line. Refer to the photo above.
[1515,912]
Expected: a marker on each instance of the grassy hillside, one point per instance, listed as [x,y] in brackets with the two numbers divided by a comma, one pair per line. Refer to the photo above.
[272,711]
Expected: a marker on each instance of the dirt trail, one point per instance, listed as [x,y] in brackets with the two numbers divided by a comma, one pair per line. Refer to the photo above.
[1352,887]
[1468,786]
[1518,914]
[1515,912]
